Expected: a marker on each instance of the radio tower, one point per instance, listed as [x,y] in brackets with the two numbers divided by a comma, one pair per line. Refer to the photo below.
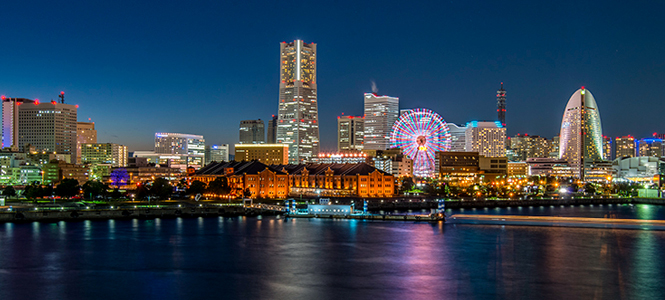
[501,105]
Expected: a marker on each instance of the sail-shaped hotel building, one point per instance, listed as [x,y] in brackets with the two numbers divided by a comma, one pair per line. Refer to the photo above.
[581,133]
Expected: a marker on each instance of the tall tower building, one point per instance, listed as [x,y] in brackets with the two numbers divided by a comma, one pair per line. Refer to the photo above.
[350,133]
[501,105]
[581,132]
[252,132]
[298,113]
[381,112]
[486,138]
[457,137]
[10,120]
[271,138]
[85,134]
[624,146]
[49,126]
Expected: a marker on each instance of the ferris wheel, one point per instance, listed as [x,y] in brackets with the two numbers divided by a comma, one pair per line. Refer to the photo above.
[420,133]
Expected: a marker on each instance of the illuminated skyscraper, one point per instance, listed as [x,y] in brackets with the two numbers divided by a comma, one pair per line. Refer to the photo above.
[350,133]
[381,112]
[10,120]
[298,109]
[624,146]
[85,134]
[581,132]
[48,126]
[501,105]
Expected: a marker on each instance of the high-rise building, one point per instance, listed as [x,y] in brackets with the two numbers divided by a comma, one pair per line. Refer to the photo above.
[607,148]
[85,134]
[650,147]
[624,146]
[48,126]
[350,133]
[186,150]
[271,138]
[486,138]
[501,105]
[554,148]
[457,137]
[217,153]
[10,120]
[298,115]
[581,132]
[381,112]
[530,146]
[104,153]
[252,132]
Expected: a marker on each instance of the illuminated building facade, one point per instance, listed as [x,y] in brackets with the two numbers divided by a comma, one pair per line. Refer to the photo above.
[252,132]
[486,138]
[104,153]
[554,147]
[518,169]
[650,147]
[10,120]
[581,132]
[54,172]
[280,181]
[607,148]
[181,150]
[340,158]
[216,153]
[457,137]
[85,134]
[624,146]
[530,146]
[381,112]
[350,133]
[265,153]
[638,169]
[48,126]
[298,115]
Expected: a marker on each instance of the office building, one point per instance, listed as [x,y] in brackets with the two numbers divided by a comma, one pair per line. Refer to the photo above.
[554,147]
[530,146]
[350,133]
[10,120]
[179,150]
[581,132]
[264,153]
[381,112]
[85,134]
[607,148]
[217,153]
[252,132]
[650,147]
[48,126]
[624,146]
[457,137]
[104,154]
[271,137]
[298,114]
[486,138]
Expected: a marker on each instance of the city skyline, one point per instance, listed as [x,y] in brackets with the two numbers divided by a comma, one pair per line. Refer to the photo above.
[159,83]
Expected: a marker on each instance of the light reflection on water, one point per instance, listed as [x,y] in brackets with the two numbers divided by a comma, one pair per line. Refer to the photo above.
[323,258]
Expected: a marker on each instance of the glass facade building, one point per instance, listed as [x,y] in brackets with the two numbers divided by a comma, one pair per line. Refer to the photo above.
[381,112]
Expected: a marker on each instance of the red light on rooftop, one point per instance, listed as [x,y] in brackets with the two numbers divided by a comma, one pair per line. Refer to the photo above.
[77,106]
[53,102]
[62,93]
[3,97]
[36,101]
[582,87]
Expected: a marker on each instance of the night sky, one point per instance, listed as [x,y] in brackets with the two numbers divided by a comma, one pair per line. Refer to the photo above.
[199,67]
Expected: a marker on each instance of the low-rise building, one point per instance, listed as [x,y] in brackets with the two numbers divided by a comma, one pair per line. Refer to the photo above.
[265,153]
[55,171]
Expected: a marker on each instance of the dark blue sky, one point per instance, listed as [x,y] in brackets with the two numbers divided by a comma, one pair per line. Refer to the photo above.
[138,67]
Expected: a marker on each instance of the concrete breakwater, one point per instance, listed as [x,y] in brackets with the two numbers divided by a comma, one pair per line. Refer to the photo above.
[406,204]
[50,215]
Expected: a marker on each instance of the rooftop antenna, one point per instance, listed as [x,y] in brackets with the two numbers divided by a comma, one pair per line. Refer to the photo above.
[62,97]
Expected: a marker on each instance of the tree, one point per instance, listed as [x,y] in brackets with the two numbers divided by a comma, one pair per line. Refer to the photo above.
[116,194]
[247,193]
[161,188]
[407,184]
[93,189]
[197,187]
[219,186]
[68,188]
[9,191]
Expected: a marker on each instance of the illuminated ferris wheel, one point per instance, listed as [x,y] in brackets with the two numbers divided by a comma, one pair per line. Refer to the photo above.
[420,133]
